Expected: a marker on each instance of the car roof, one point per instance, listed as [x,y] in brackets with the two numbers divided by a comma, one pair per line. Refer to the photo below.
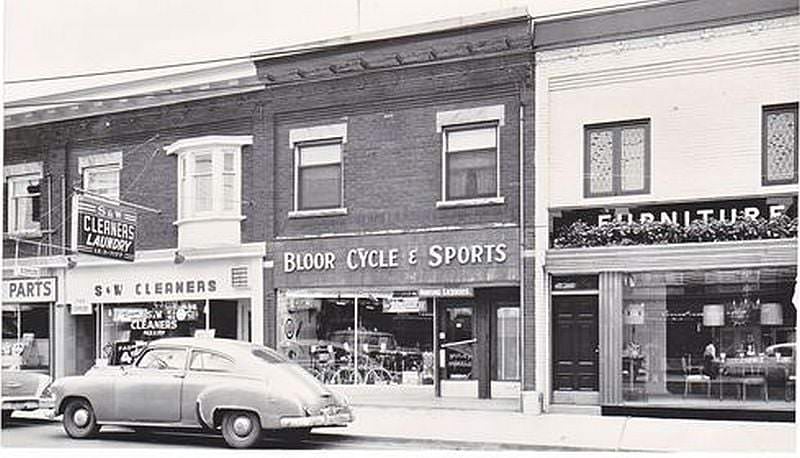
[206,343]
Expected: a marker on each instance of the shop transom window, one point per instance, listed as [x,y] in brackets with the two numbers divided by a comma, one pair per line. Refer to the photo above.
[617,159]
[779,144]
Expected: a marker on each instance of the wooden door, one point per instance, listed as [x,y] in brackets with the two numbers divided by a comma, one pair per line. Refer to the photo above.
[575,343]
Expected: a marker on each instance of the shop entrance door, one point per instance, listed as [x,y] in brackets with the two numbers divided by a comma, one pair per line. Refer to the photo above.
[575,343]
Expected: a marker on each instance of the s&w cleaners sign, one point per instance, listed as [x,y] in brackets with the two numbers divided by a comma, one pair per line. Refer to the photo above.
[105,229]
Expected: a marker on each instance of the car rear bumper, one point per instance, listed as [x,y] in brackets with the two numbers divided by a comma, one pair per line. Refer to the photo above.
[340,419]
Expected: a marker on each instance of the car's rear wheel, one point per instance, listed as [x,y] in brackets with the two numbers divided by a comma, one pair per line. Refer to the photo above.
[241,429]
[79,419]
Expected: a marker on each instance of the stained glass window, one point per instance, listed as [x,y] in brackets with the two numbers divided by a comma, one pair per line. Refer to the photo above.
[617,159]
[780,145]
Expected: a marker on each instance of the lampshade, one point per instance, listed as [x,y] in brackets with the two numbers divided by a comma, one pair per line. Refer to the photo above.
[714,315]
[771,314]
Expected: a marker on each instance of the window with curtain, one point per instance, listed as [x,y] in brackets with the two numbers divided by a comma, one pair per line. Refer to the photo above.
[319,175]
[471,156]
[24,203]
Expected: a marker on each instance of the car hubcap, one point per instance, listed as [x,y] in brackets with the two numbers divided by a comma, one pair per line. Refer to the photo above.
[81,417]
[242,426]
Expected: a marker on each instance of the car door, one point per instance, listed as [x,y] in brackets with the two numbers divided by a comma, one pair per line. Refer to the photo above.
[150,391]
[206,368]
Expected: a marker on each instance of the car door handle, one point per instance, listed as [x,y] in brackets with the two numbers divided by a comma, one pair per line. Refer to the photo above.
[179,375]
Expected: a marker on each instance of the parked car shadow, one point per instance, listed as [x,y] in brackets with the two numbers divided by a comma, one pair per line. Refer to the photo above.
[162,437]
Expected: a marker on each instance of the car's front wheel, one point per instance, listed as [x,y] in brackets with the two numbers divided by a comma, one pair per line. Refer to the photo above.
[241,429]
[79,419]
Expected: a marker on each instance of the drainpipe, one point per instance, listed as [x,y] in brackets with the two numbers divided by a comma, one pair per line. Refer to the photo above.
[522,238]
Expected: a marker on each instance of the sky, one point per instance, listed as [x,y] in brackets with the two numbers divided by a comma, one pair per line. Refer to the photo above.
[60,37]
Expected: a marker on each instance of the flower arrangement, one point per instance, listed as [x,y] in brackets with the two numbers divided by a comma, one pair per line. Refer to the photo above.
[618,233]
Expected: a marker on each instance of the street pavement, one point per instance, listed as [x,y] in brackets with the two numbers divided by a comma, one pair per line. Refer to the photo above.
[41,433]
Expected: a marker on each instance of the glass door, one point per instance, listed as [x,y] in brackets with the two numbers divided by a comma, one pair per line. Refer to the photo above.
[507,344]
[458,343]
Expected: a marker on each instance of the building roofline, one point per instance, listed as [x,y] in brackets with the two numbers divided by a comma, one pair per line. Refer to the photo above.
[426,28]
[651,18]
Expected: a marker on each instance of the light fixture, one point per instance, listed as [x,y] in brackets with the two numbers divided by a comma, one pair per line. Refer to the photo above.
[771,314]
[714,315]
[71,263]
[179,258]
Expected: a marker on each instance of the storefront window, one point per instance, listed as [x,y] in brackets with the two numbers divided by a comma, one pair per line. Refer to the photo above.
[393,345]
[26,337]
[128,327]
[714,337]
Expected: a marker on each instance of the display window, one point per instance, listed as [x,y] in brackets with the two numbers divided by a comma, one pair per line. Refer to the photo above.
[26,337]
[713,338]
[365,338]
[127,328]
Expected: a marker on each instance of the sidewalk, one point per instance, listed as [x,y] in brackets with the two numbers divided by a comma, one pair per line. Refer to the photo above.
[570,430]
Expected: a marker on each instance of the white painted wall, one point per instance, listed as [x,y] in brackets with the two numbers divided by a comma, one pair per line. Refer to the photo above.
[703,91]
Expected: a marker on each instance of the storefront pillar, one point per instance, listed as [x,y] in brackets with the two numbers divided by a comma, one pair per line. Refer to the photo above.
[483,328]
[610,333]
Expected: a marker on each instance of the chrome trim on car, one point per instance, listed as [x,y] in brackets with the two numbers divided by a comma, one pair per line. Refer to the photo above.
[318,420]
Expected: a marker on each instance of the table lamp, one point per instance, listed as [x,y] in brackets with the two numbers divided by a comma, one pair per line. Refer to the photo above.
[713,317]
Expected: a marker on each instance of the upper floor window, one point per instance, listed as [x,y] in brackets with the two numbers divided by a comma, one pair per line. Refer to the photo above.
[319,176]
[470,155]
[617,159]
[318,170]
[24,198]
[209,176]
[779,144]
[100,174]
[470,162]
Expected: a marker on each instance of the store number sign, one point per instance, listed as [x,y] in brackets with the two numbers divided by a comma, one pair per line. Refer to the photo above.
[434,256]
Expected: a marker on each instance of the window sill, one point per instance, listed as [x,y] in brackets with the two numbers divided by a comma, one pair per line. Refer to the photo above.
[471,202]
[317,213]
[209,219]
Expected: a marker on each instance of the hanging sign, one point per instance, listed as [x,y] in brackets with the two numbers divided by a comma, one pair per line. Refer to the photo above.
[80,307]
[105,229]
[446,292]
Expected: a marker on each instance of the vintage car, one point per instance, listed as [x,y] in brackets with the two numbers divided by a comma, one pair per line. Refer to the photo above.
[22,389]
[233,387]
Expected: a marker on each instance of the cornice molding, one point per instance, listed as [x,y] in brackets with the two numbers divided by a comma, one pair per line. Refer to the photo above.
[620,47]
[705,64]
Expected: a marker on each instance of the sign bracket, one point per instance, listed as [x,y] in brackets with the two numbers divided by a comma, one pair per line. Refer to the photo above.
[117,201]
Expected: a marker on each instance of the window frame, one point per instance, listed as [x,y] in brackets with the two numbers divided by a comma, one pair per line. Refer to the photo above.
[11,201]
[152,349]
[616,159]
[446,129]
[187,178]
[297,185]
[217,354]
[765,111]
[95,168]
